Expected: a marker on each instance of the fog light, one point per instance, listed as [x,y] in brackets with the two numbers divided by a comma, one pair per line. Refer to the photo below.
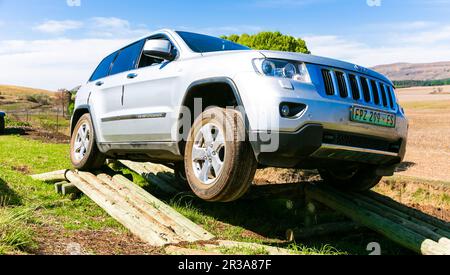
[285,111]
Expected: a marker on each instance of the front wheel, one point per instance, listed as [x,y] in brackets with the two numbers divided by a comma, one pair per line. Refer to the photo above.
[220,164]
[84,152]
[351,179]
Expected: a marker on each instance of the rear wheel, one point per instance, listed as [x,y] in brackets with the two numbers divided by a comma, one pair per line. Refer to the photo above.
[351,179]
[220,164]
[84,152]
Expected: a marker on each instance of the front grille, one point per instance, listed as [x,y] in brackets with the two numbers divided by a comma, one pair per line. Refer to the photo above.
[364,89]
[359,141]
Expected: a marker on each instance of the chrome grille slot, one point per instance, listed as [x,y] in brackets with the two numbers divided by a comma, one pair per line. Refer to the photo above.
[391,98]
[329,86]
[365,88]
[342,84]
[375,92]
[383,95]
[355,87]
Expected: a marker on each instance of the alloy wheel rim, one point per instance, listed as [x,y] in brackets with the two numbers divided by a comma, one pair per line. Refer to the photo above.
[82,142]
[208,154]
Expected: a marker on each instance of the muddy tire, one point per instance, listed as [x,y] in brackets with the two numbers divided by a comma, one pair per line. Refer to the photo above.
[357,180]
[220,164]
[2,125]
[84,152]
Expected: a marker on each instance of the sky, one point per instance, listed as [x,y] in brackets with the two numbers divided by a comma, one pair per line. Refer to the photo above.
[55,44]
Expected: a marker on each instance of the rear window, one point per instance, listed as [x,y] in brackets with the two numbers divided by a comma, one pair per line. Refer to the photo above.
[127,58]
[104,67]
[203,43]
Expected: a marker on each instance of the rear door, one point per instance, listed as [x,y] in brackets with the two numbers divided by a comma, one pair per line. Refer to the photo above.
[101,104]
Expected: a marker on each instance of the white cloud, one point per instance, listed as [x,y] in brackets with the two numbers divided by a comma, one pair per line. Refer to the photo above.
[114,27]
[52,64]
[58,27]
[367,55]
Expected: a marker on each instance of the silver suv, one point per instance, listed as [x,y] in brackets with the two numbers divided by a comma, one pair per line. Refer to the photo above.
[215,111]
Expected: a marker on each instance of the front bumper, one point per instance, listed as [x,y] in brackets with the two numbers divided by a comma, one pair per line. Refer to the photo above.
[315,147]
[308,137]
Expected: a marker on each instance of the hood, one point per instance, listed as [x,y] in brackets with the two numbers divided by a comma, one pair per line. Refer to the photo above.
[324,61]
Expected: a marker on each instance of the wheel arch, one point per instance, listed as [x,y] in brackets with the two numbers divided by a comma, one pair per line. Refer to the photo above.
[229,95]
[77,114]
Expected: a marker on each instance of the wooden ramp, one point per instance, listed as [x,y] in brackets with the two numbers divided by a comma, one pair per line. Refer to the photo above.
[144,215]
[160,225]
[407,227]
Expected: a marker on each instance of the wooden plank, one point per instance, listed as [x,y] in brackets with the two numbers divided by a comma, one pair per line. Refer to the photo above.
[151,209]
[51,177]
[148,171]
[416,217]
[200,233]
[322,230]
[181,251]
[69,188]
[376,222]
[120,211]
[58,186]
[398,217]
[153,222]
[409,211]
[253,246]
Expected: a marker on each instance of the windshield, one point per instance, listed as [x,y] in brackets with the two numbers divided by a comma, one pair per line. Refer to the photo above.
[203,43]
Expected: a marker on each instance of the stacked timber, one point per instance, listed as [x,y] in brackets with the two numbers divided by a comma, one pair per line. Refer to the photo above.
[393,220]
[143,214]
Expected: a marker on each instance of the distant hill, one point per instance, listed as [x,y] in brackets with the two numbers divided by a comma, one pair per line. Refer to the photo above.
[418,72]
[16,90]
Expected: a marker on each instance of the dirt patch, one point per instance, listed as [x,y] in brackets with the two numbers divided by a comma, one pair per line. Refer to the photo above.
[57,241]
[22,169]
[39,134]
[282,176]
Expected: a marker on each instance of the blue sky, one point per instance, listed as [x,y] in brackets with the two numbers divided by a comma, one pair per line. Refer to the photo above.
[56,43]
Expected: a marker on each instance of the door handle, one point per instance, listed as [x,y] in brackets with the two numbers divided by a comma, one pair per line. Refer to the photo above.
[99,83]
[132,75]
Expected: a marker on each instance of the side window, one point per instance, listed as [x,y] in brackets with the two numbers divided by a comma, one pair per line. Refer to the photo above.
[104,67]
[127,58]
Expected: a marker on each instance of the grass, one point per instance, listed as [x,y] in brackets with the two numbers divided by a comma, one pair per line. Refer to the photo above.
[15,232]
[19,193]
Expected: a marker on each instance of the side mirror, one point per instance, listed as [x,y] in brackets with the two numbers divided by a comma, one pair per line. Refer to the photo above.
[159,48]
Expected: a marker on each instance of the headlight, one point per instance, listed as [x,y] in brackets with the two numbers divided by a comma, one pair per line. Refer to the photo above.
[283,69]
